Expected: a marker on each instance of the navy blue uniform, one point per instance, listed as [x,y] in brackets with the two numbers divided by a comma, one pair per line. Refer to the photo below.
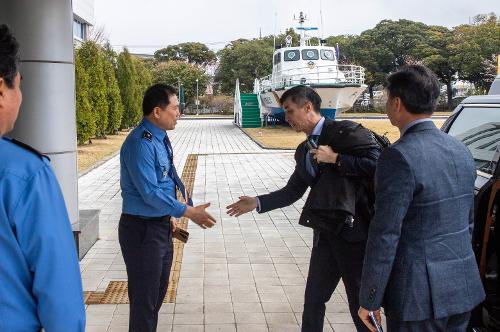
[148,182]
[40,282]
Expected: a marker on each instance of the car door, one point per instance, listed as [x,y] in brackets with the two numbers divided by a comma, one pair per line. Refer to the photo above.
[478,127]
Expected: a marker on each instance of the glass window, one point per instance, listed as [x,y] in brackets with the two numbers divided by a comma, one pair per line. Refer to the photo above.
[292,55]
[327,55]
[277,58]
[79,30]
[310,54]
[479,129]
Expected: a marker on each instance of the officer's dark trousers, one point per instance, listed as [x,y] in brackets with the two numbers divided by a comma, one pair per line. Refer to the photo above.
[332,258]
[455,323]
[147,250]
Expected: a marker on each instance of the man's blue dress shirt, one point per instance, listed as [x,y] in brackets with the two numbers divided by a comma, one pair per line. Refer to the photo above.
[145,174]
[316,132]
[40,282]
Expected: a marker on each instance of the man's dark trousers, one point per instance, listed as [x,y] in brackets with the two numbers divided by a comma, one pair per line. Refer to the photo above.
[147,250]
[332,258]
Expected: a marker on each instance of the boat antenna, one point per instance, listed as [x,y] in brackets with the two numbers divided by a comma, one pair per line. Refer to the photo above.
[304,39]
[321,18]
[275,24]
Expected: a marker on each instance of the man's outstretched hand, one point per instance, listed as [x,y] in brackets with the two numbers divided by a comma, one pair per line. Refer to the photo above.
[199,216]
[244,205]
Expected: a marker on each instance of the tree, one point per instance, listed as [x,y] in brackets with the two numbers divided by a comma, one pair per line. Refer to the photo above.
[375,57]
[400,38]
[175,72]
[435,51]
[473,48]
[115,106]
[195,53]
[85,120]
[143,81]
[126,76]
[246,60]
[347,47]
[380,50]
[92,61]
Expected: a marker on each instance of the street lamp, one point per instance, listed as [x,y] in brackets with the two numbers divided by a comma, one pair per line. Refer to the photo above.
[197,100]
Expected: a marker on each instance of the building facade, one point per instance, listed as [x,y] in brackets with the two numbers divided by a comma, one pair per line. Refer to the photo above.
[83,19]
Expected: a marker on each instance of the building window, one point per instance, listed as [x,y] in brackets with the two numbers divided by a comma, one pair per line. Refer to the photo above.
[79,30]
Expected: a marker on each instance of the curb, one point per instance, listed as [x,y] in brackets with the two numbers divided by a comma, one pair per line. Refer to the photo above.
[260,144]
[97,164]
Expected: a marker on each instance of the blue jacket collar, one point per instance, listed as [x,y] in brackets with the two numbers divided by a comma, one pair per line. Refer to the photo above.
[153,129]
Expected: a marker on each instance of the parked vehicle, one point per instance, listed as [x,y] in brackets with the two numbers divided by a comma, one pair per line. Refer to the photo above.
[476,122]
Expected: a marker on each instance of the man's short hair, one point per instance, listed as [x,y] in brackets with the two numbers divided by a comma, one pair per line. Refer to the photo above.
[9,55]
[157,95]
[417,86]
[301,94]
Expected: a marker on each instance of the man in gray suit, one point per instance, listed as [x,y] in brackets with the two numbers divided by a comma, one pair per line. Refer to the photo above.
[419,262]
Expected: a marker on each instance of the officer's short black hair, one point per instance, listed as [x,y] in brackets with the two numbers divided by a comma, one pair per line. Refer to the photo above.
[157,95]
[301,94]
[9,55]
[417,86]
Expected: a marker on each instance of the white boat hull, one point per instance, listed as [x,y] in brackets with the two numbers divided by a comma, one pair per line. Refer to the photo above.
[335,100]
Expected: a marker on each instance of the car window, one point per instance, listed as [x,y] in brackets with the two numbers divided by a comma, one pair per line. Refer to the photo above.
[479,129]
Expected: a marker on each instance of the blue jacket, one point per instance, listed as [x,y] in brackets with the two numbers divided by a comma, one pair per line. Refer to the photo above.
[40,283]
[145,174]
[419,262]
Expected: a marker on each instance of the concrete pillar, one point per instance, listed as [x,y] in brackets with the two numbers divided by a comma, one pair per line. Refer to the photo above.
[47,120]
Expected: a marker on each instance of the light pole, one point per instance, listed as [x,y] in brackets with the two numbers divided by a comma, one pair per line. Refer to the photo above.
[197,100]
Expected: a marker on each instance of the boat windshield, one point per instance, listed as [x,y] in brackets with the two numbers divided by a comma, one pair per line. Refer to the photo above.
[479,129]
[310,54]
[327,55]
[292,55]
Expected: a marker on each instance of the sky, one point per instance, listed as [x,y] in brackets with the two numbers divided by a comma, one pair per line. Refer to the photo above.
[147,25]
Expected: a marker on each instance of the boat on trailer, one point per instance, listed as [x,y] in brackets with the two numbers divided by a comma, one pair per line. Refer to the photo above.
[315,66]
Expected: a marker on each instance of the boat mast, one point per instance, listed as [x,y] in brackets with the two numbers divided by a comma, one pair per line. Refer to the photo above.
[302,20]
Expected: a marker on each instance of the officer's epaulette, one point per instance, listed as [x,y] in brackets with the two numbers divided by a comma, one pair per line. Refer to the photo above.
[147,135]
[28,147]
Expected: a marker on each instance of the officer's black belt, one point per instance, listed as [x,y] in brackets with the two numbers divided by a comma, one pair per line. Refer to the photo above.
[133,217]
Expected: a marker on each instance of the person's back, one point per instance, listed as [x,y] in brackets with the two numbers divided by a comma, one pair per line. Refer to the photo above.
[34,289]
[40,283]
[435,234]
[419,262]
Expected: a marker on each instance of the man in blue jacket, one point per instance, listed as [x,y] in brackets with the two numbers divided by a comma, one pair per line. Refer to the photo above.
[40,283]
[149,183]
[419,262]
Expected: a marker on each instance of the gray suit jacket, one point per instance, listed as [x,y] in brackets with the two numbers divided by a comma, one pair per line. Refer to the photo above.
[419,262]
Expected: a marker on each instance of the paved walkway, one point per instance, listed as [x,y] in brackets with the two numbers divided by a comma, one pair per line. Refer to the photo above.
[245,274]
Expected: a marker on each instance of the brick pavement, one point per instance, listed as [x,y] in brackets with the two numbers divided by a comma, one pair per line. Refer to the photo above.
[246,273]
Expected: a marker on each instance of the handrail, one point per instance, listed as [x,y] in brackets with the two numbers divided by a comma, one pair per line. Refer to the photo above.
[327,74]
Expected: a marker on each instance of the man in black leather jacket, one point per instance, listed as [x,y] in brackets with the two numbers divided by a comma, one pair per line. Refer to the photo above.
[338,208]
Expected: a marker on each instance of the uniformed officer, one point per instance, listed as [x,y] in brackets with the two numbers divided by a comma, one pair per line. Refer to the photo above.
[149,181]
[40,283]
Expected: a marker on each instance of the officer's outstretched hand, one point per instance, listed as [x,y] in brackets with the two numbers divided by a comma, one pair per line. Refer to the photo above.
[199,216]
[244,205]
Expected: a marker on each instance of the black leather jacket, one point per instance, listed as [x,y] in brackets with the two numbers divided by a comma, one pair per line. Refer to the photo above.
[338,191]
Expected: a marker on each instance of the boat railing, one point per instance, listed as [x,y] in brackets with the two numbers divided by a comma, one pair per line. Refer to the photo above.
[319,75]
